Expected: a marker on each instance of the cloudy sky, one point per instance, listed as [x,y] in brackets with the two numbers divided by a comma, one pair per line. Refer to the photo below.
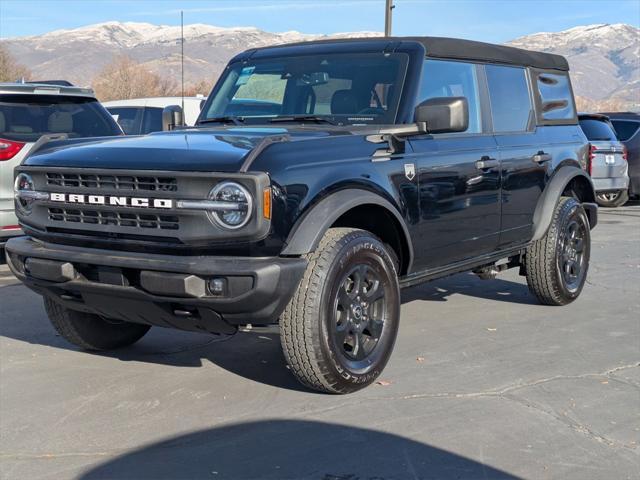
[492,20]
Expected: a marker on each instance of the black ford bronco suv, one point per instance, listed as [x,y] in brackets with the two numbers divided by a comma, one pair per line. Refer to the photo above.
[320,179]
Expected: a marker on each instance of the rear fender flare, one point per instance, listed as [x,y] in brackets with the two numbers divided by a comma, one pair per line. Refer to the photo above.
[547,203]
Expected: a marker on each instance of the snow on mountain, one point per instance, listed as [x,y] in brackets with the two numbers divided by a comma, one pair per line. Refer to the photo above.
[79,54]
[604,59]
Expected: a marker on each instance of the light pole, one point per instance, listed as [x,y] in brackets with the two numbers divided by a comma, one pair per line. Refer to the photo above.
[388,14]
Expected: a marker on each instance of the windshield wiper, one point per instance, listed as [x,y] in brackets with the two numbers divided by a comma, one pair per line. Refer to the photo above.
[301,118]
[224,119]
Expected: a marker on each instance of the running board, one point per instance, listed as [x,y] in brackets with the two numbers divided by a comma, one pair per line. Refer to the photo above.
[459,267]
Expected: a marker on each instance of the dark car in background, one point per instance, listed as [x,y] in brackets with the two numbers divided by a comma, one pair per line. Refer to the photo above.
[627,126]
[607,162]
[30,111]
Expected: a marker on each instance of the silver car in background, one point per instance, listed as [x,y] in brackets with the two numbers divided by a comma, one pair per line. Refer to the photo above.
[607,163]
[31,111]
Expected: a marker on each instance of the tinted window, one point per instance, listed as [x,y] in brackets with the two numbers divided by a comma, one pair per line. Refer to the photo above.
[625,129]
[346,88]
[510,100]
[597,130]
[555,97]
[152,120]
[128,118]
[27,117]
[452,79]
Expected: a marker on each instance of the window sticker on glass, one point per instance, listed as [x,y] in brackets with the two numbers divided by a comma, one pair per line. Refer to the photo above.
[244,76]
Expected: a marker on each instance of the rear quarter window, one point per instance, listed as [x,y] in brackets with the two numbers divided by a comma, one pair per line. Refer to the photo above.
[25,118]
[555,101]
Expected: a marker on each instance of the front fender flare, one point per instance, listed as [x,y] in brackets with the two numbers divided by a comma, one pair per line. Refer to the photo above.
[549,199]
[307,232]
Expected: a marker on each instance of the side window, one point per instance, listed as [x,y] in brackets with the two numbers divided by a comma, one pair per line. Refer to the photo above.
[442,78]
[556,100]
[510,99]
[129,118]
[152,120]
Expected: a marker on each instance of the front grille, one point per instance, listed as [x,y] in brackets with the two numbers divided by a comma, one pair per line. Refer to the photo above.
[114,182]
[116,218]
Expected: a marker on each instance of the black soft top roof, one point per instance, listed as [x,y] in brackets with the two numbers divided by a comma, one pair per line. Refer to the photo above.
[454,48]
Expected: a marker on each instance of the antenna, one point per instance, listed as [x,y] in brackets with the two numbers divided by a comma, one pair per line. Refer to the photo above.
[182,57]
[388,17]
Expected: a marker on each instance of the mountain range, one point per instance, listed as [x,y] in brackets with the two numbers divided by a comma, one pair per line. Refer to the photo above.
[604,59]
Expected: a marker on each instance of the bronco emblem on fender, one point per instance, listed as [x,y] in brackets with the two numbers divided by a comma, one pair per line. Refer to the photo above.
[409,171]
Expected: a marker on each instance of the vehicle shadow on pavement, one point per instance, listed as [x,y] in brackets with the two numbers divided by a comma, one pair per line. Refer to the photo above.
[283,449]
[471,286]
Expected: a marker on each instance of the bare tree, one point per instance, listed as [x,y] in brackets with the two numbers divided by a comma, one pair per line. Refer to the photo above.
[10,70]
[125,78]
[202,87]
[606,105]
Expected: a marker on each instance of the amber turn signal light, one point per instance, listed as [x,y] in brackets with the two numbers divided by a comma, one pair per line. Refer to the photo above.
[266,203]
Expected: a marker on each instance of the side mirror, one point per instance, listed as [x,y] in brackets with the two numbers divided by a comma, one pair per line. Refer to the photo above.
[443,115]
[172,117]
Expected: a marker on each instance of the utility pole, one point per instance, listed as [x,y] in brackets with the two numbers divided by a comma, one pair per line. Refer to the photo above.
[388,17]
[182,58]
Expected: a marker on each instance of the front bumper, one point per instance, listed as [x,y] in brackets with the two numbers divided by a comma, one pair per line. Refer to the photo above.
[164,290]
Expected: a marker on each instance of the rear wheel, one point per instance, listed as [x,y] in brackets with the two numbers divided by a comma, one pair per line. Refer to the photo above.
[339,329]
[612,199]
[92,332]
[557,264]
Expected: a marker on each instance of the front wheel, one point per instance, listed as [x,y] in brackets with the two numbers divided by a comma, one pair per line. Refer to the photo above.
[339,328]
[92,332]
[557,264]
[612,199]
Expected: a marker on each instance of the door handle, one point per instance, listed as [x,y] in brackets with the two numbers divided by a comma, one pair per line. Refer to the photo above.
[541,157]
[487,162]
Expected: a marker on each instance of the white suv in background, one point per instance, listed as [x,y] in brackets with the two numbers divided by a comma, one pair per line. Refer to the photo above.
[28,112]
[140,116]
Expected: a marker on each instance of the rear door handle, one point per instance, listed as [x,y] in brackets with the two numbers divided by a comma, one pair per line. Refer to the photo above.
[487,162]
[541,157]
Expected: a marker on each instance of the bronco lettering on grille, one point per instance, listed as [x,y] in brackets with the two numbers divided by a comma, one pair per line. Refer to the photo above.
[111,200]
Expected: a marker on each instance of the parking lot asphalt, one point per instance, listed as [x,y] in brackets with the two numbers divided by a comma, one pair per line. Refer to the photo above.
[484,383]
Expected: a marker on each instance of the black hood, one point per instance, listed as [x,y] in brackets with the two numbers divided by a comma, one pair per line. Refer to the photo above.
[220,150]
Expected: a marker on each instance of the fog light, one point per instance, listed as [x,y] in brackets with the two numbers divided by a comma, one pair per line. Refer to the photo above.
[217,286]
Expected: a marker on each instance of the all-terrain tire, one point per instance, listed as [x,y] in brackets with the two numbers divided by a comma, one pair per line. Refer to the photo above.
[92,332]
[612,199]
[557,264]
[315,328]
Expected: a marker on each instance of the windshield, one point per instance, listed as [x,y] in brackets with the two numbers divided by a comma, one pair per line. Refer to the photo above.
[353,88]
[25,118]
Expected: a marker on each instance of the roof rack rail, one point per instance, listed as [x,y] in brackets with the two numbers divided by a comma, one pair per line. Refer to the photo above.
[59,83]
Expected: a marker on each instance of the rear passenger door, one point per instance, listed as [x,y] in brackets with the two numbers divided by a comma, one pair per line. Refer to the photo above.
[524,160]
[458,173]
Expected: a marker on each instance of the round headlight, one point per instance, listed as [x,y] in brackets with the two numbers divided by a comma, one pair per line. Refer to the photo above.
[23,183]
[239,202]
